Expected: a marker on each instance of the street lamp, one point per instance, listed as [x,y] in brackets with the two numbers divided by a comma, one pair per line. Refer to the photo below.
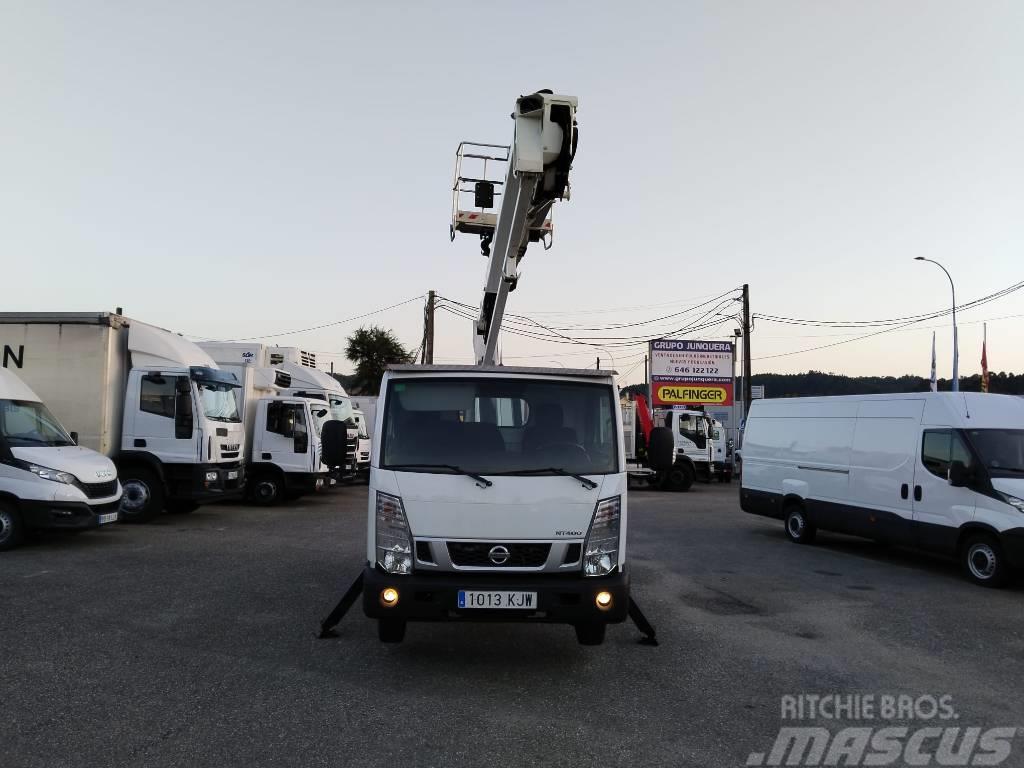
[956,348]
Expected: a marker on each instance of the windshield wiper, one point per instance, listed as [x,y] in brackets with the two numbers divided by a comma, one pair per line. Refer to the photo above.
[586,482]
[482,481]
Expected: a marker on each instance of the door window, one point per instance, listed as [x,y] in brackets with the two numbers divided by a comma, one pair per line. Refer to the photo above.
[157,395]
[289,420]
[940,448]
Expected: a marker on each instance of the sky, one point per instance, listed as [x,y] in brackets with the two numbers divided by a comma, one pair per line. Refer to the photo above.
[245,169]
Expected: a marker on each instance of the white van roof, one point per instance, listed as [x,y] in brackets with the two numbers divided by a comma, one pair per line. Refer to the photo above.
[13,388]
[950,409]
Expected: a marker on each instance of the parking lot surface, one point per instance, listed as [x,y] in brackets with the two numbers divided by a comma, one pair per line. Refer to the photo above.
[192,641]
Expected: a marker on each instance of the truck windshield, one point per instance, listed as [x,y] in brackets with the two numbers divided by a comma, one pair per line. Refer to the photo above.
[1000,450]
[218,401]
[499,426]
[27,424]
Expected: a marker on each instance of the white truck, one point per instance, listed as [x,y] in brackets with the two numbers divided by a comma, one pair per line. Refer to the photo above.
[939,471]
[147,398]
[499,493]
[698,453]
[46,481]
[307,381]
[282,446]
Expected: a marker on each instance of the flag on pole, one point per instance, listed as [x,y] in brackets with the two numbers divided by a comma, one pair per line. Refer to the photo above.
[984,361]
[935,383]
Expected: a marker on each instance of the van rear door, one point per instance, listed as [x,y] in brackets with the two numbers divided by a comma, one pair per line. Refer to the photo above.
[939,508]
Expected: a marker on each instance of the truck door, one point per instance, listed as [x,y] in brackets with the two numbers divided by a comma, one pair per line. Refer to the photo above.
[165,422]
[939,508]
[692,437]
[286,440]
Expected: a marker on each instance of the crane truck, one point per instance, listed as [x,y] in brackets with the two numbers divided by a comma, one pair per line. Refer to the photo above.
[499,493]
[149,399]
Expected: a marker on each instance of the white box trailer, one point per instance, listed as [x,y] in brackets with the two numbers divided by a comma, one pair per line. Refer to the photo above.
[939,471]
[146,397]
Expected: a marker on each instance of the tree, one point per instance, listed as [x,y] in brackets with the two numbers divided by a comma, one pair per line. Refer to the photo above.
[372,350]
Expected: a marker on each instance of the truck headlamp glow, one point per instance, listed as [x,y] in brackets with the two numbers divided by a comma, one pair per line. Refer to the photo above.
[50,474]
[394,543]
[1013,501]
[601,551]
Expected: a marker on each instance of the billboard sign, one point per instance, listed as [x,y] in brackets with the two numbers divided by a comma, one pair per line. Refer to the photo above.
[687,372]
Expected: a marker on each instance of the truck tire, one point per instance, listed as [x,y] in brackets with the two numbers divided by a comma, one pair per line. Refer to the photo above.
[983,561]
[679,478]
[181,506]
[12,530]
[267,489]
[390,630]
[591,633]
[798,529]
[143,495]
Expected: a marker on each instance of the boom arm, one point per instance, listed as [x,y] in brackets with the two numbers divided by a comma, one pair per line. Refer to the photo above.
[538,175]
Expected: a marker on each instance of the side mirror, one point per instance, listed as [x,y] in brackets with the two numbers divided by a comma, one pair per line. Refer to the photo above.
[334,443]
[959,474]
[661,449]
[74,437]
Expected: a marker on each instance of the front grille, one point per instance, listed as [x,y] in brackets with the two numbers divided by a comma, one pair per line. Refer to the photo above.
[99,490]
[476,554]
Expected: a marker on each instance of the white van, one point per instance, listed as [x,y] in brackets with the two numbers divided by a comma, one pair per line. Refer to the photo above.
[940,471]
[46,481]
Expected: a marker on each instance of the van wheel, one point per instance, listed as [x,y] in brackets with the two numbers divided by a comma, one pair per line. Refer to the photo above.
[142,495]
[390,630]
[590,634]
[267,490]
[798,529]
[983,561]
[12,531]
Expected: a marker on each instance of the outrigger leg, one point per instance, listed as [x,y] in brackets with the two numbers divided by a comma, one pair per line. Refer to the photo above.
[642,624]
[327,625]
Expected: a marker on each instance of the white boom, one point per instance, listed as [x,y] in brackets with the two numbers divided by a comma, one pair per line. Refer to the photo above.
[539,161]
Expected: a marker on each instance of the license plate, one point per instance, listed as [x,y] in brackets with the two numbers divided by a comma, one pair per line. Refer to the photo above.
[496,599]
[109,517]
[233,474]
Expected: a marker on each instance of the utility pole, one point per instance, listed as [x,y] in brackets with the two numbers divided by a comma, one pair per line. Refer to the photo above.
[428,344]
[598,363]
[746,351]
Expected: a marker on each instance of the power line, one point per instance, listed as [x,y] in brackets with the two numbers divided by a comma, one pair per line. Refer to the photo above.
[319,327]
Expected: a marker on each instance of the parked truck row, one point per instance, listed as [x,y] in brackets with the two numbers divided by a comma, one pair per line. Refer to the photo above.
[174,423]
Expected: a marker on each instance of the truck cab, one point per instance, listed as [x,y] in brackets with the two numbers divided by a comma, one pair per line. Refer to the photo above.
[693,433]
[497,494]
[286,456]
[46,480]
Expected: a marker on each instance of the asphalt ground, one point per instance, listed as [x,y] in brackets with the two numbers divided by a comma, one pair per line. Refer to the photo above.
[191,641]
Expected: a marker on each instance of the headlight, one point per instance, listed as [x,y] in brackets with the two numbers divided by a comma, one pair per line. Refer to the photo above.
[50,474]
[394,543]
[601,551]
[1013,501]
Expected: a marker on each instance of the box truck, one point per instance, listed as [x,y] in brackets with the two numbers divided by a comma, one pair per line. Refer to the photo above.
[147,398]
[46,481]
[939,471]
[282,445]
[307,381]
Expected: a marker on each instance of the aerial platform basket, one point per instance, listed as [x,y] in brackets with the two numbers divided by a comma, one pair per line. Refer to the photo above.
[474,196]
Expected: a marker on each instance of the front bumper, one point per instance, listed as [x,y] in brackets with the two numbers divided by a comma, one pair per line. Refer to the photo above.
[65,515]
[199,488]
[561,598]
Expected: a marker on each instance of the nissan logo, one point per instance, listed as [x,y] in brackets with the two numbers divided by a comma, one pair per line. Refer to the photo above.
[499,555]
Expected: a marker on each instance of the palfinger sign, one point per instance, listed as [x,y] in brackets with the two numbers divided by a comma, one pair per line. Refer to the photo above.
[691,372]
